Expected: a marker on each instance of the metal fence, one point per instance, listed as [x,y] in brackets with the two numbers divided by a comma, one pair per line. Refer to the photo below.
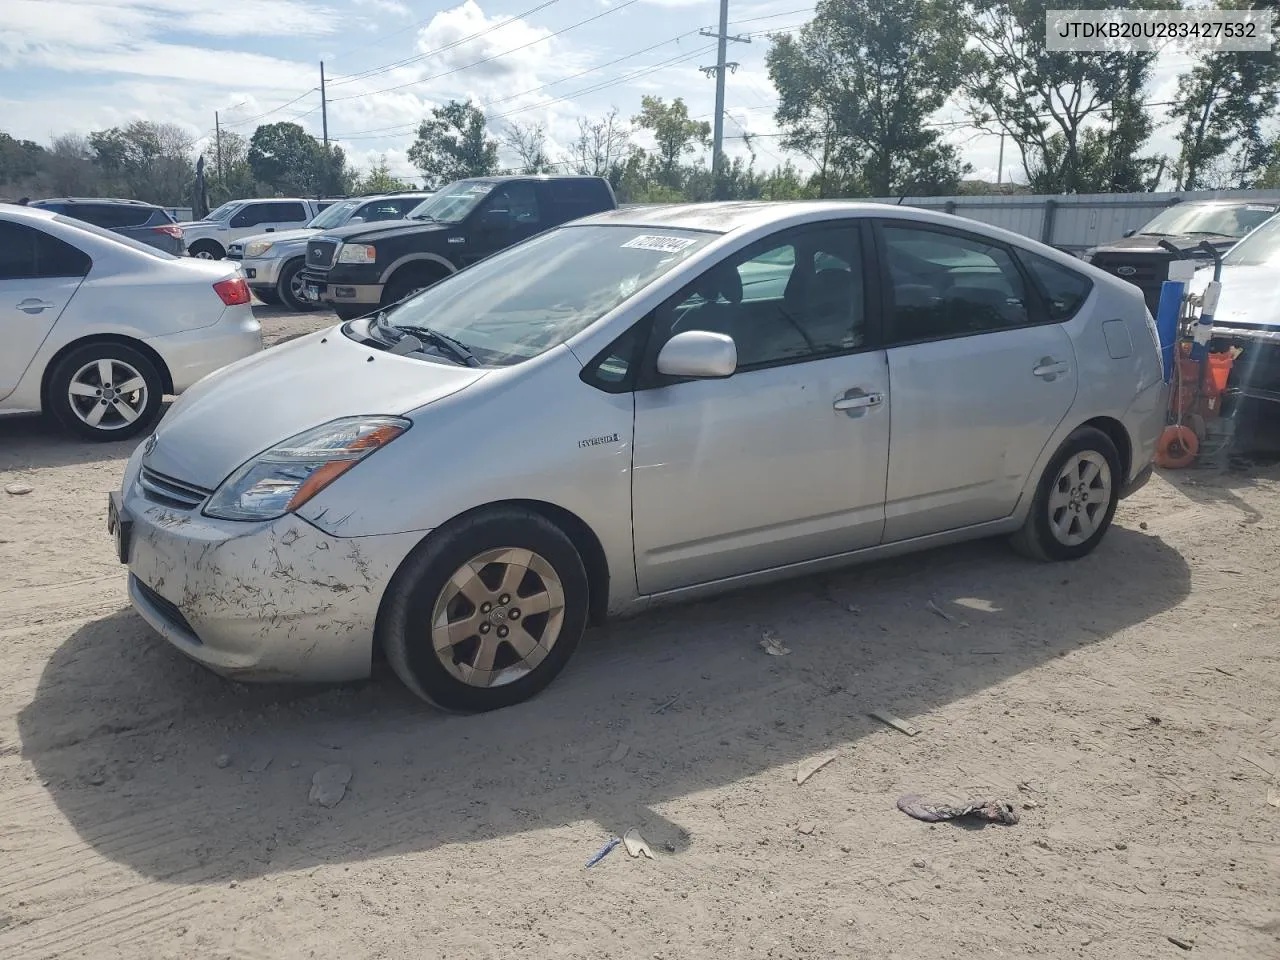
[1076,222]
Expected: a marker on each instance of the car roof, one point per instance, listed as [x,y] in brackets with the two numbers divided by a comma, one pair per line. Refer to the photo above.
[24,211]
[1231,202]
[119,200]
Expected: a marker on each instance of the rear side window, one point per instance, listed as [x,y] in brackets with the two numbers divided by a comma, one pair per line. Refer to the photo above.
[571,199]
[27,254]
[283,212]
[111,215]
[1063,290]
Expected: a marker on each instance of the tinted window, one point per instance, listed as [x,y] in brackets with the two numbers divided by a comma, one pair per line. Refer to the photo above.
[520,200]
[948,285]
[572,199]
[27,253]
[284,212]
[386,210]
[1063,289]
[110,215]
[791,298]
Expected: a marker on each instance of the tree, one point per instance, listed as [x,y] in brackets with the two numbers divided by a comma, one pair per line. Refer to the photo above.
[380,180]
[146,161]
[1046,100]
[21,162]
[1222,103]
[529,144]
[230,176]
[856,89]
[453,144]
[675,133]
[601,145]
[286,158]
[70,170]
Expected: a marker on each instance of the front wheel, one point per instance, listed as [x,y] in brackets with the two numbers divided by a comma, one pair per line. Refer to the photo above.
[290,286]
[486,612]
[105,391]
[1075,499]
[206,250]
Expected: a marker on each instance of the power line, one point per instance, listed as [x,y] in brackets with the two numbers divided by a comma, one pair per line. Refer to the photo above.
[496,56]
[261,116]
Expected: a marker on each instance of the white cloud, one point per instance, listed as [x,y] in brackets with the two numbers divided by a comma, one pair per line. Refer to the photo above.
[386,6]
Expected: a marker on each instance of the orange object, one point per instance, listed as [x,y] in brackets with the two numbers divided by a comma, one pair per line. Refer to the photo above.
[1218,373]
[1177,447]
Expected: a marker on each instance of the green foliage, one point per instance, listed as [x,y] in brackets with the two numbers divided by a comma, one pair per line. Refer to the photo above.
[145,161]
[380,180]
[856,89]
[286,158]
[675,133]
[453,144]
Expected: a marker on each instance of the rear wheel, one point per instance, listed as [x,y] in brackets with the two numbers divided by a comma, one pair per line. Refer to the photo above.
[1075,499]
[408,281]
[486,612]
[289,286]
[266,295]
[105,391]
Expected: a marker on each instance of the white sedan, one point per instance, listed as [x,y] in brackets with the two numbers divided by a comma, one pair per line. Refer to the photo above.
[96,329]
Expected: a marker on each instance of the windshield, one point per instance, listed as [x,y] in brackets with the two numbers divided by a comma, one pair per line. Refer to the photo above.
[225,211]
[115,237]
[534,296]
[450,204]
[335,215]
[1228,221]
[1260,247]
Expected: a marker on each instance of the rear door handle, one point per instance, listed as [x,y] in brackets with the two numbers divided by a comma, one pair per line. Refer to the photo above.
[856,400]
[33,306]
[1049,369]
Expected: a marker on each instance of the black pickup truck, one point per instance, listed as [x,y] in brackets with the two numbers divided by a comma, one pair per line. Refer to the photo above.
[358,269]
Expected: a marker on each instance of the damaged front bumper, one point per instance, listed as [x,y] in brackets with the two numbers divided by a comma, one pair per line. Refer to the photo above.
[278,600]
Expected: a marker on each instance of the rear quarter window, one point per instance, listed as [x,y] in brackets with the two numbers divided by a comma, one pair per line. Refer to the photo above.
[572,199]
[1063,290]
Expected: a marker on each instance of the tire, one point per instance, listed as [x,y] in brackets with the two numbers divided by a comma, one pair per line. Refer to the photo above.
[346,312]
[86,369]
[266,295]
[206,250]
[1074,483]
[408,281]
[423,592]
[289,287]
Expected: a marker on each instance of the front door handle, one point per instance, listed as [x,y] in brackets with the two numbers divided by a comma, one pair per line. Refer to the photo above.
[855,399]
[1049,369]
[33,306]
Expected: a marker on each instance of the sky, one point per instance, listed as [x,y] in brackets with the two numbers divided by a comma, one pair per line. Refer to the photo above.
[71,66]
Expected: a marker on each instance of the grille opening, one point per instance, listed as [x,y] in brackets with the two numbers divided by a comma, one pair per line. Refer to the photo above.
[166,608]
[170,491]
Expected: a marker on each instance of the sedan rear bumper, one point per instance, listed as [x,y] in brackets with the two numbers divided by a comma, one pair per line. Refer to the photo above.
[193,354]
[257,601]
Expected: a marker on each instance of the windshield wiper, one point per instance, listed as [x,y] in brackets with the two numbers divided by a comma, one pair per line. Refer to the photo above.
[456,348]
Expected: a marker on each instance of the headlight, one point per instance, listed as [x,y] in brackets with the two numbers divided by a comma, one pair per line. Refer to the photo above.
[357,253]
[257,248]
[285,477]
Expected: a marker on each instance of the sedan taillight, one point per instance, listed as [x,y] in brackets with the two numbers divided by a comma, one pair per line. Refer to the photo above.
[233,292]
[172,229]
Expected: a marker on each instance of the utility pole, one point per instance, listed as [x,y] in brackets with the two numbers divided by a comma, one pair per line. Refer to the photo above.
[217,134]
[324,126]
[1000,162]
[717,142]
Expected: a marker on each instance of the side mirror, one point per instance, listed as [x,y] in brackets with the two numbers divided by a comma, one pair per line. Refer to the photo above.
[356,220]
[1130,233]
[699,354]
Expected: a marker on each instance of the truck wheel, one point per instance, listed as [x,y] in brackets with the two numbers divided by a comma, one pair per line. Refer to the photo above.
[266,295]
[289,286]
[346,312]
[410,280]
[206,250]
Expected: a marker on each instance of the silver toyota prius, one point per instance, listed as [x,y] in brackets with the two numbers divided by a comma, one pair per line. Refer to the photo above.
[645,405]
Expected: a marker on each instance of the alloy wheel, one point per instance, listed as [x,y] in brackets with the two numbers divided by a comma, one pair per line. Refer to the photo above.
[1080,498]
[107,394]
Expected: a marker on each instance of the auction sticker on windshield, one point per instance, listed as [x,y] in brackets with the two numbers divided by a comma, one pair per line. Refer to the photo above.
[659,244]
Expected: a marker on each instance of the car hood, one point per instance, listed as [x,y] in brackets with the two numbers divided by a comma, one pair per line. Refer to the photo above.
[387,228]
[1146,243]
[250,406]
[1250,295]
[300,234]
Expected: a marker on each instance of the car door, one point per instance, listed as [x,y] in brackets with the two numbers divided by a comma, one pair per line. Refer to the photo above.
[785,460]
[39,274]
[283,215]
[511,213]
[980,374]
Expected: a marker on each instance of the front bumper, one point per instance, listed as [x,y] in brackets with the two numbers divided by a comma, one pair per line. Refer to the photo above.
[1255,374]
[193,354]
[272,601]
[323,288]
[261,271]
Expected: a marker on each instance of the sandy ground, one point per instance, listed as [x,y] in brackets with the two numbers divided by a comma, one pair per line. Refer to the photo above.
[1129,704]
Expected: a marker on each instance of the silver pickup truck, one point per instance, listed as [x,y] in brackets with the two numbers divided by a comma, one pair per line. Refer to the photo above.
[272,262]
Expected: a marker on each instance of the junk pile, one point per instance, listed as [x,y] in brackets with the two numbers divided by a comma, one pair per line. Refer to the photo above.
[1197,429]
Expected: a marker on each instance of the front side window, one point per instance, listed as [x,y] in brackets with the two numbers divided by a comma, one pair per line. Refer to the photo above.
[796,297]
[519,201]
[529,298]
[942,284]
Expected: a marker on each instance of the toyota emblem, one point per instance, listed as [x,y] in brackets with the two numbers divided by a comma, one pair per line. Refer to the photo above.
[149,447]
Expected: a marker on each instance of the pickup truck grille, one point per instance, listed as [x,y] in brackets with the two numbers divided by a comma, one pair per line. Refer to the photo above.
[320,253]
